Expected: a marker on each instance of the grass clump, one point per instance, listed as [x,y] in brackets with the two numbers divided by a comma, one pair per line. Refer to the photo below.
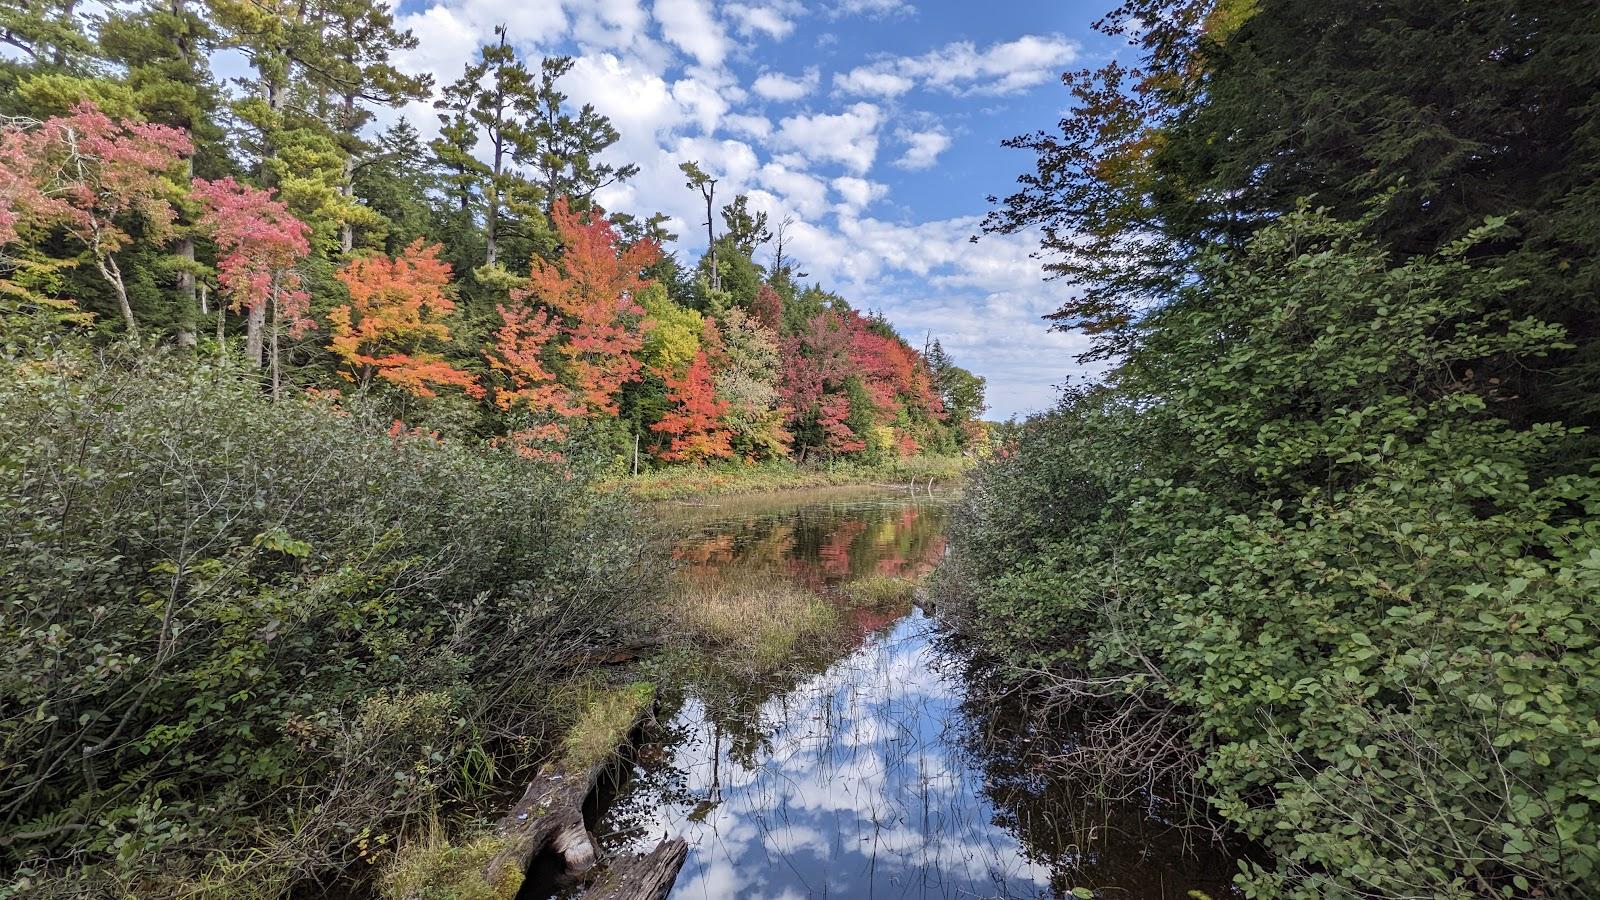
[451,872]
[882,591]
[607,717]
[759,624]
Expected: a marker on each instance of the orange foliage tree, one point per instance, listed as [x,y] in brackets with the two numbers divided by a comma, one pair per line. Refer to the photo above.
[591,287]
[695,422]
[530,386]
[395,320]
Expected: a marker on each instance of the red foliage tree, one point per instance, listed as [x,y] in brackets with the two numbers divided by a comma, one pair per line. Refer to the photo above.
[396,312]
[89,176]
[768,308]
[259,244]
[592,286]
[695,423]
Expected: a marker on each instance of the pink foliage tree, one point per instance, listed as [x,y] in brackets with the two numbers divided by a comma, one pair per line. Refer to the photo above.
[259,244]
[91,177]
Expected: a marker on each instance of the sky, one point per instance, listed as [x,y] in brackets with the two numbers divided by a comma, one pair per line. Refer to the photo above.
[876,124]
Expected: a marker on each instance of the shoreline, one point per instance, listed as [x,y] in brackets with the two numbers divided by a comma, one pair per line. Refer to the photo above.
[686,483]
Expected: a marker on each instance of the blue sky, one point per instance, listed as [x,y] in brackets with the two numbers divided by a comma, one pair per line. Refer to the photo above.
[876,124]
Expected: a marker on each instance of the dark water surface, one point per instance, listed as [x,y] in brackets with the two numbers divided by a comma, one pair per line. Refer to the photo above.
[878,772]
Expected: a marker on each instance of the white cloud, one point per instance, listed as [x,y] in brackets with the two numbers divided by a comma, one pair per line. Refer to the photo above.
[922,148]
[774,19]
[857,193]
[872,81]
[804,194]
[849,138]
[875,9]
[691,26]
[962,68]
[778,86]
[759,127]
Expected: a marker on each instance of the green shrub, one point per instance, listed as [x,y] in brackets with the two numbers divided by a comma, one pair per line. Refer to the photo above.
[1288,530]
[250,636]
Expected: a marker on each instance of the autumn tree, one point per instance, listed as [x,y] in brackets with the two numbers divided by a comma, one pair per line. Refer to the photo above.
[394,324]
[694,425]
[260,244]
[93,178]
[745,357]
[593,288]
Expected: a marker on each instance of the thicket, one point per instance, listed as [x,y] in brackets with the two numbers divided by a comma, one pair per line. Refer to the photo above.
[1288,552]
[249,644]
[1322,549]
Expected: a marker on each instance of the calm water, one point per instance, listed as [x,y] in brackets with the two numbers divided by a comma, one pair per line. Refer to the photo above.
[878,772]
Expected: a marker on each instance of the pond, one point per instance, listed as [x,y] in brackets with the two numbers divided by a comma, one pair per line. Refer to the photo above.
[877,770]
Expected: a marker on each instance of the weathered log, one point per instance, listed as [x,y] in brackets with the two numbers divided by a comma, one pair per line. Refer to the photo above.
[550,813]
[647,876]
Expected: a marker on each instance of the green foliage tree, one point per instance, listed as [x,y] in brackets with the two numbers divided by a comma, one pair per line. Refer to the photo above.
[1291,528]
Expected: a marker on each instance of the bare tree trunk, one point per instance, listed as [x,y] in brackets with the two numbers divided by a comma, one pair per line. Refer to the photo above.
[254,325]
[276,352]
[710,191]
[187,298]
[113,274]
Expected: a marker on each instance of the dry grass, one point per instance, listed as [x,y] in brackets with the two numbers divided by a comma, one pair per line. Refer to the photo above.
[755,621]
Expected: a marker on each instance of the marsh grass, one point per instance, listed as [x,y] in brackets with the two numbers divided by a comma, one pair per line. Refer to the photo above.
[753,620]
[882,591]
[437,870]
[691,482]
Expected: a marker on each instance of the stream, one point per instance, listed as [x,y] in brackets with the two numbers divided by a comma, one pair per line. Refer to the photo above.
[875,771]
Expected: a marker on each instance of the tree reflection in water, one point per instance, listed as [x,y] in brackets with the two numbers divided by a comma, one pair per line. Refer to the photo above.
[875,773]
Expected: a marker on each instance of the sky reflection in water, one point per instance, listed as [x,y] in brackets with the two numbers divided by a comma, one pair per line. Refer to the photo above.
[865,777]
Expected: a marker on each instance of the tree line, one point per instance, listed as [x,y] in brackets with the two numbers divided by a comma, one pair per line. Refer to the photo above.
[470,284]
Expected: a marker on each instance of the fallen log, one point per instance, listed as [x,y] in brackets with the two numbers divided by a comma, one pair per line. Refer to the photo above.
[646,876]
[550,814]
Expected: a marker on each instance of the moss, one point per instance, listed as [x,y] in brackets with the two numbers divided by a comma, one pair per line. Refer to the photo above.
[608,716]
[450,872]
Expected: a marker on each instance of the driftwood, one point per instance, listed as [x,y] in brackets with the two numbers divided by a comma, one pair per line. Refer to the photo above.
[647,876]
[550,814]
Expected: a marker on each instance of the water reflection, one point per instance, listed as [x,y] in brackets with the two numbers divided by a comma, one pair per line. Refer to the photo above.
[872,775]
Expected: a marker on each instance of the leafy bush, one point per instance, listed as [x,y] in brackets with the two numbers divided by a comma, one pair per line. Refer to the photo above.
[1288,530]
[245,641]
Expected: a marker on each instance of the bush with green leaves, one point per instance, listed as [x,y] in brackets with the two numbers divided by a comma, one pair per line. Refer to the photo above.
[1285,552]
[243,643]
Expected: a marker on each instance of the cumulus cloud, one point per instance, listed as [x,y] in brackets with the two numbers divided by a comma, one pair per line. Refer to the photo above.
[774,19]
[691,26]
[778,86]
[857,193]
[962,68]
[922,148]
[849,138]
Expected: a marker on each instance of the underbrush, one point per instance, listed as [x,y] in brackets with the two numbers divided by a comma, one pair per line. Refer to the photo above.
[249,644]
